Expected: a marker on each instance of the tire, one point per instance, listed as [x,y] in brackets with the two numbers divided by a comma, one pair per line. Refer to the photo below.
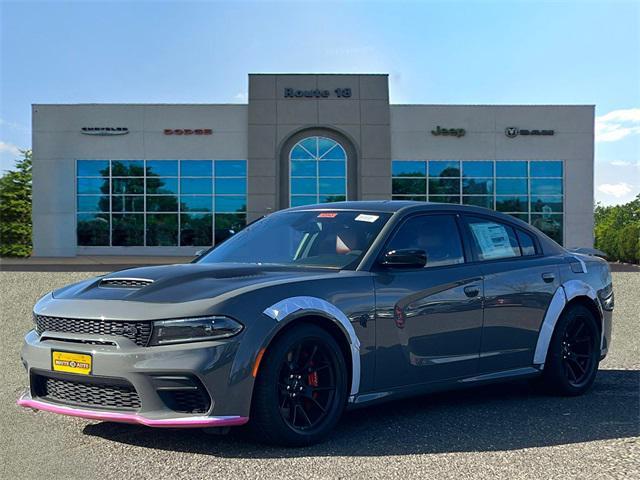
[301,388]
[574,353]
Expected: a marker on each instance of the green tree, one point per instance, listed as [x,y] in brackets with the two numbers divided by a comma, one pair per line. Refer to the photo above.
[15,209]
[617,231]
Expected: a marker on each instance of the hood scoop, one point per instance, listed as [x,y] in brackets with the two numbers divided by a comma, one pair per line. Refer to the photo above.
[122,282]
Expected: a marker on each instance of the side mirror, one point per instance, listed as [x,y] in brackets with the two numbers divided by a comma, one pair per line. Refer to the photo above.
[405,258]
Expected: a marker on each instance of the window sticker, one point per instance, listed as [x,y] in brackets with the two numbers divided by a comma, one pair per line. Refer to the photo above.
[493,240]
[363,217]
[328,215]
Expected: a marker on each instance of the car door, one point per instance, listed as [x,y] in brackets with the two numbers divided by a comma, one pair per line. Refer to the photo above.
[519,283]
[428,320]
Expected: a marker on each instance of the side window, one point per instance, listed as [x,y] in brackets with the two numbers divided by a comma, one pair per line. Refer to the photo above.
[527,245]
[493,240]
[437,235]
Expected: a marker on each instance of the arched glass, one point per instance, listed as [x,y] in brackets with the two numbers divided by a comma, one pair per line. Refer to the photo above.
[317,172]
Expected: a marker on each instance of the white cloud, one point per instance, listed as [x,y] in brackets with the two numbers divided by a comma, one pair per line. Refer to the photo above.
[617,190]
[8,148]
[241,97]
[617,124]
[624,163]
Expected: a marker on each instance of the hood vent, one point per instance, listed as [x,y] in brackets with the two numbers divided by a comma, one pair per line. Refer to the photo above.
[114,282]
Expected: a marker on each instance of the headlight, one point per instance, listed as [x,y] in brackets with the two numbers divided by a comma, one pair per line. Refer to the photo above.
[166,332]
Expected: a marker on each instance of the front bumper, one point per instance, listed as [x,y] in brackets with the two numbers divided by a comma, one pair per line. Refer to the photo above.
[150,371]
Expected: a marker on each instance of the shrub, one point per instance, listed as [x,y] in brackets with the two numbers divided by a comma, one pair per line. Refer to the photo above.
[617,231]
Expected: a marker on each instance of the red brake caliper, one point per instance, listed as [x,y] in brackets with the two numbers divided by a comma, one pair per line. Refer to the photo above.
[313,379]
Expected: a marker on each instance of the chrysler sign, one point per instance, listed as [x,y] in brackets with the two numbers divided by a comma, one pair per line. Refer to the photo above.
[104,131]
[513,132]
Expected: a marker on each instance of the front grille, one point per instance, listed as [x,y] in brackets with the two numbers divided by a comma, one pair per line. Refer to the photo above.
[125,282]
[186,401]
[139,332]
[107,393]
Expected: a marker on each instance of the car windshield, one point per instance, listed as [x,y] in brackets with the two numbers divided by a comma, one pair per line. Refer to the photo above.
[328,239]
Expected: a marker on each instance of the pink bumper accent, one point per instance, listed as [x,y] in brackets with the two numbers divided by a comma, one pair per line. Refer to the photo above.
[183,422]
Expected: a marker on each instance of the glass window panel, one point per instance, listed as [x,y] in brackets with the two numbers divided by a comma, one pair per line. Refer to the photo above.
[444,198]
[331,168]
[128,229]
[401,168]
[92,168]
[231,185]
[93,203]
[512,203]
[121,186]
[546,186]
[93,229]
[511,186]
[546,169]
[127,168]
[162,186]
[192,186]
[299,153]
[196,168]
[444,186]
[300,200]
[162,230]
[546,204]
[324,145]
[511,169]
[332,186]
[196,229]
[436,235]
[304,185]
[521,216]
[527,245]
[231,168]
[477,169]
[551,224]
[302,168]
[196,203]
[310,145]
[438,168]
[409,186]
[336,153]
[230,204]
[228,224]
[480,201]
[93,185]
[415,198]
[127,203]
[331,198]
[162,203]
[162,168]
[476,186]
[493,240]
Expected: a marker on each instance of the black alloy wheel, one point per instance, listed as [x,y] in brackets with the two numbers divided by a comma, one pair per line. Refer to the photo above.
[574,352]
[301,388]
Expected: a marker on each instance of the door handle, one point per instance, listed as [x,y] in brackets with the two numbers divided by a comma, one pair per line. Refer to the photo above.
[471,291]
[548,277]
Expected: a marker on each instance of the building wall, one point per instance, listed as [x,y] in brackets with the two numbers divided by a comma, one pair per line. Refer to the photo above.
[58,143]
[485,139]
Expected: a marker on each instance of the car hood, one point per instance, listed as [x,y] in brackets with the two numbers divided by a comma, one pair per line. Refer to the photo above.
[183,283]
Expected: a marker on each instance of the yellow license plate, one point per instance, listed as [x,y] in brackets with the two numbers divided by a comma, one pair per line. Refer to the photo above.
[71,362]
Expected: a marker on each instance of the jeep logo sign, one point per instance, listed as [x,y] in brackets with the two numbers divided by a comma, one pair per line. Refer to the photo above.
[513,132]
[452,132]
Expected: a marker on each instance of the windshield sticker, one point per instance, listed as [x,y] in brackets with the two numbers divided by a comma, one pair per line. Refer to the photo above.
[363,217]
[328,215]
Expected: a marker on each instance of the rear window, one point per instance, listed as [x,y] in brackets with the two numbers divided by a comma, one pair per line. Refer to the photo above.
[527,244]
[493,240]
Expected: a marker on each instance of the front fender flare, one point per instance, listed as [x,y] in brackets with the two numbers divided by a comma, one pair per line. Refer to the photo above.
[294,306]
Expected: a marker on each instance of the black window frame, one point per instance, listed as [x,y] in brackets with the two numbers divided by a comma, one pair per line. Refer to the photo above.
[466,250]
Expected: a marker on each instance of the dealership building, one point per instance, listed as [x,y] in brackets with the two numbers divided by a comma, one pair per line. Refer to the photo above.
[169,179]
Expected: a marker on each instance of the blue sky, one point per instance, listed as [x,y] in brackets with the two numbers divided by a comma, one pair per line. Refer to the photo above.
[526,52]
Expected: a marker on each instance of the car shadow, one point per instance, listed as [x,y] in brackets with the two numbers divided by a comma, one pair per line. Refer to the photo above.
[491,418]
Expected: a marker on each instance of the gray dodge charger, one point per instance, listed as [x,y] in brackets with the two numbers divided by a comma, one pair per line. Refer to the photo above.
[315,309]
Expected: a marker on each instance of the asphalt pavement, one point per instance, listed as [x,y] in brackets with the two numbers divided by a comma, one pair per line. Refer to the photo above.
[502,431]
